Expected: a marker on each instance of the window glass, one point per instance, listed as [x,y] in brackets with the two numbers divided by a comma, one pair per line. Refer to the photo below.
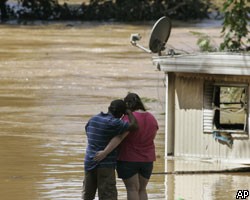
[230,107]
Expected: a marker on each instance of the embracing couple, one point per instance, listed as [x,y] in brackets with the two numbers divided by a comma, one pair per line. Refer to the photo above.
[121,139]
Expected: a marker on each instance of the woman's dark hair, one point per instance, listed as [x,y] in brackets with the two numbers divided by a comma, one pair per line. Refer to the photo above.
[133,102]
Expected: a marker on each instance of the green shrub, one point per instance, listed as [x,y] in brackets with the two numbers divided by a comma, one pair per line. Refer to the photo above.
[235,25]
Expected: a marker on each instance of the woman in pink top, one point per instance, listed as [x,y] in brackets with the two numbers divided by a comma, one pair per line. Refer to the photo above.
[136,150]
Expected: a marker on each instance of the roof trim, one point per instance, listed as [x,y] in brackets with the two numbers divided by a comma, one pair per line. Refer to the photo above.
[205,63]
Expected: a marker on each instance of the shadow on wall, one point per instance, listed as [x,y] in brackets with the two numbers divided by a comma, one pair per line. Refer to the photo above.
[189,93]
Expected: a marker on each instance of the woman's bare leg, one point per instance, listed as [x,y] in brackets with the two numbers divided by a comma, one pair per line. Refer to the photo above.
[132,186]
[142,188]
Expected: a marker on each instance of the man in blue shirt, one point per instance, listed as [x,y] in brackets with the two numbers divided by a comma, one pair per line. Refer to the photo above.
[100,130]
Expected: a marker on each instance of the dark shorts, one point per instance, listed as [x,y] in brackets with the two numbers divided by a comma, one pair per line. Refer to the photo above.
[127,169]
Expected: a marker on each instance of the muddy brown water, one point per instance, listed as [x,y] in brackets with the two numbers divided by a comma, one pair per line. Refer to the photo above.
[54,76]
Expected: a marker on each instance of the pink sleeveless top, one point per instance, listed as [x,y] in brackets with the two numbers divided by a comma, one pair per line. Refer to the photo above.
[139,146]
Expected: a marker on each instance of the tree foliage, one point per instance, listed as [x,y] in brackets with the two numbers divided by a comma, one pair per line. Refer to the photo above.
[40,9]
[138,10]
[118,10]
[235,25]
[3,9]
[234,31]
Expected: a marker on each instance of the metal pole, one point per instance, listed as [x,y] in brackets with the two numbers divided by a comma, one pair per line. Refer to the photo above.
[166,135]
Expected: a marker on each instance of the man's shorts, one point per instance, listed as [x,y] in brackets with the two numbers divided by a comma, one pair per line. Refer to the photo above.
[101,179]
[127,169]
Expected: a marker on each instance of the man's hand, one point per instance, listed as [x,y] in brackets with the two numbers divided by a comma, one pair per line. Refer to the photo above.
[100,155]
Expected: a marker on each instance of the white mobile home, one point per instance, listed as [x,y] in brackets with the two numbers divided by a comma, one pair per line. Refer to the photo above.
[207,105]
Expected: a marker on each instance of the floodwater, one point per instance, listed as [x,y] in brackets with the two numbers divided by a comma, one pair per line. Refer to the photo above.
[55,76]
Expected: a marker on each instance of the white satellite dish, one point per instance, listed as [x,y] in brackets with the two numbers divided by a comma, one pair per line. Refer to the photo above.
[158,37]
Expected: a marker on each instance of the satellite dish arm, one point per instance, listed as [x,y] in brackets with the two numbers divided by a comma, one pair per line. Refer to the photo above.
[137,37]
[141,47]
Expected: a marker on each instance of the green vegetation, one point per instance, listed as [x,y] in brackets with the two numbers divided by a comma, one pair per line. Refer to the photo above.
[116,10]
[148,100]
[234,31]
[3,9]
[235,26]
[204,42]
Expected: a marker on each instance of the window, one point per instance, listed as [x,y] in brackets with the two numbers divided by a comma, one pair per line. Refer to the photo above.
[225,108]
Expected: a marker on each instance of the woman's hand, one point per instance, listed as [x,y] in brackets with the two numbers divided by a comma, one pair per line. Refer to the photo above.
[100,155]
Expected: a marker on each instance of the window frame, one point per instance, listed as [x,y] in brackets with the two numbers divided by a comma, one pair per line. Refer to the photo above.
[209,107]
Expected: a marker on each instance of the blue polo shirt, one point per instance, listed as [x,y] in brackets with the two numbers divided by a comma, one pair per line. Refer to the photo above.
[100,129]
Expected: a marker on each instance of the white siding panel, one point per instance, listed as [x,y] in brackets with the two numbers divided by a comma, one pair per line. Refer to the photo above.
[188,120]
